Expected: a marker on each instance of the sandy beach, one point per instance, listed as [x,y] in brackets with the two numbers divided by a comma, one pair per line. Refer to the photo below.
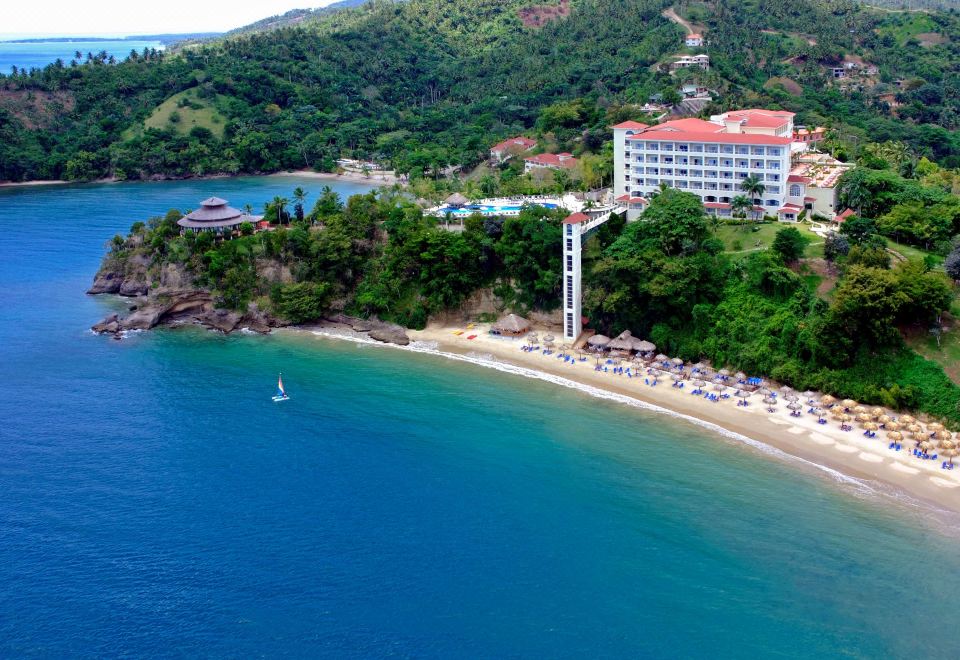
[354,177]
[846,456]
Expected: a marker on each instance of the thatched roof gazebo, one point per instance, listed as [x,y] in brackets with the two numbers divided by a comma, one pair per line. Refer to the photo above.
[623,342]
[456,200]
[598,341]
[511,325]
[643,346]
[215,215]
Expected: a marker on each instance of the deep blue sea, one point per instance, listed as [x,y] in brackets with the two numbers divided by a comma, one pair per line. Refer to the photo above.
[41,53]
[155,503]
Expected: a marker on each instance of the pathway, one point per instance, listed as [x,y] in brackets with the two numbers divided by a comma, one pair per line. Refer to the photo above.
[676,18]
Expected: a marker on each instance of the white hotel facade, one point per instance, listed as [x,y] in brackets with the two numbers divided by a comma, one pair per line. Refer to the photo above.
[709,159]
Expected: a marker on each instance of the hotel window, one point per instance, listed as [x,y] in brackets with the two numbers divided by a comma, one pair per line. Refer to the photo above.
[652,146]
[795,190]
[653,170]
[773,164]
[696,173]
[772,202]
[569,242]
[653,159]
[683,147]
[742,163]
[711,174]
[681,183]
[757,151]
[698,161]
[652,182]
[696,148]
[666,146]
[626,143]
[726,150]
[696,184]
[726,162]
[570,325]
[569,262]
[668,159]
[666,170]
[743,150]
[712,162]
[757,165]
[569,230]
[683,161]
[773,177]
[773,151]
[639,159]
[683,172]
[741,175]
[712,149]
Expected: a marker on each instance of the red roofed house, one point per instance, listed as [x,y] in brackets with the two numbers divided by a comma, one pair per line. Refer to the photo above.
[509,148]
[708,158]
[562,161]
[845,215]
[693,40]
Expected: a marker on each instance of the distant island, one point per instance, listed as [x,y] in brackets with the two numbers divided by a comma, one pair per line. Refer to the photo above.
[162,38]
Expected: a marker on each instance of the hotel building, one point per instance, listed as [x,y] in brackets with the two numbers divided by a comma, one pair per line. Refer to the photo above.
[709,159]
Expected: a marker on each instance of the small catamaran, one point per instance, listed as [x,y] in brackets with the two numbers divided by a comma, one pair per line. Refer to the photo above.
[281,394]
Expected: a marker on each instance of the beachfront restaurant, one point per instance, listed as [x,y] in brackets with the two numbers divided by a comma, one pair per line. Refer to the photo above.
[215,215]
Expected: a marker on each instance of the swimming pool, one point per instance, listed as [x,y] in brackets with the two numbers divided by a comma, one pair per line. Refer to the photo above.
[489,209]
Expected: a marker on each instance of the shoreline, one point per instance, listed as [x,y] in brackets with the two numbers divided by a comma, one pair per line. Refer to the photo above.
[381,180]
[860,464]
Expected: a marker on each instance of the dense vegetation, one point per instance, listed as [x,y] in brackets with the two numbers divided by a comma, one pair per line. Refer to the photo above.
[667,279]
[426,84]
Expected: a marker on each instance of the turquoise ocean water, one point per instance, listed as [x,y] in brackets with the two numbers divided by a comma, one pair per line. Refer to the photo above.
[154,502]
[41,53]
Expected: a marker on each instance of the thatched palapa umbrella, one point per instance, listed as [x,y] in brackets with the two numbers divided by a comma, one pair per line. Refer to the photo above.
[950,454]
[828,400]
[794,406]
[622,342]
[907,419]
[598,341]
[848,403]
[896,436]
[643,346]
[457,200]
[511,325]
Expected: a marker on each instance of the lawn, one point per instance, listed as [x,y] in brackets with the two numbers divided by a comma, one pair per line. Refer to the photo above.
[183,112]
[742,239]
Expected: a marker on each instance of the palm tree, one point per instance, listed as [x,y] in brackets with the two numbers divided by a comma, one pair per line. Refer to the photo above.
[299,194]
[754,187]
[279,203]
[740,205]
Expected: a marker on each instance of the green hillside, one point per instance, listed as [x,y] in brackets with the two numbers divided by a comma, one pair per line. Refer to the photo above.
[425,84]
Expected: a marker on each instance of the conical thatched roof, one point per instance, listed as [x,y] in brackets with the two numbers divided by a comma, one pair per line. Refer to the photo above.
[598,340]
[623,342]
[214,213]
[512,324]
[643,346]
[456,199]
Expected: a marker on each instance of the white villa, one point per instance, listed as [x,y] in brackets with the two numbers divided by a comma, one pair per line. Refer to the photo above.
[562,161]
[693,40]
[710,159]
[688,61]
[812,183]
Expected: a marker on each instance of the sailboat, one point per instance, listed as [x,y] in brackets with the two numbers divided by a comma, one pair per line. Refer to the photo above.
[281,394]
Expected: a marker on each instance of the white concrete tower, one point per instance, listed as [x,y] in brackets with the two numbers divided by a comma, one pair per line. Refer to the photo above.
[572,304]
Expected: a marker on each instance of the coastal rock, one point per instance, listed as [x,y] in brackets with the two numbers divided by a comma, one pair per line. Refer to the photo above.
[174,277]
[110,324]
[142,319]
[133,288]
[360,325]
[273,272]
[108,281]
[390,334]
[220,319]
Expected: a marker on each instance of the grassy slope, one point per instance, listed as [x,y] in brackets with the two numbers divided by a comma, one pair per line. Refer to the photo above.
[208,116]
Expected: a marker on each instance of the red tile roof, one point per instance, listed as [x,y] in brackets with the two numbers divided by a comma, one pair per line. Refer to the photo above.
[630,125]
[789,208]
[845,214]
[694,35]
[553,160]
[689,124]
[796,178]
[520,141]
[632,200]
[576,219]
[715,205]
